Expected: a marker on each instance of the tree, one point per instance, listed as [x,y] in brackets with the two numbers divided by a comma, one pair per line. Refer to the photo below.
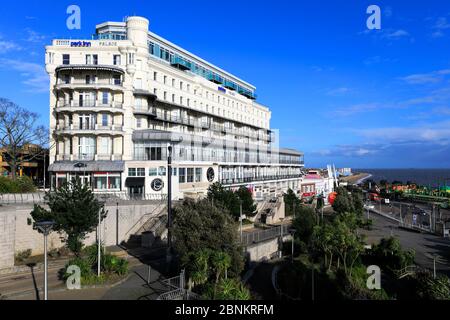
[389,255]
[347,244]
[304,224]
[248,204]
[202,225]
[218,195]
[343,202]
[323,241]
[18,131]
[289,200]
[75,211]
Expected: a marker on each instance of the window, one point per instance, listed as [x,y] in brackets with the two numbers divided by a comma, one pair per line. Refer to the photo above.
[181,100]
[104,120]
[66,79]
[153,172]
[154,154]
[174,173]
[165,79]
[140,172]
[173,98]
[190,175]
[198,174]
[117,60]
[105,98]
[92,59]
[165,95]
[162,171]
[66,58]
[139,123]
[132,172]
[101,183]
[155,92]
[155,76]
[114,183]
[173,82]
[117,80]
[181,85]
[182,175]
[105,146]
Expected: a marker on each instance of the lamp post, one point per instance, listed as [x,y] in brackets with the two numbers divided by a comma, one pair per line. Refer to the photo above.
[169,204]
[281,238]
[292,231]
[99,243]
[240,217]
[45,227]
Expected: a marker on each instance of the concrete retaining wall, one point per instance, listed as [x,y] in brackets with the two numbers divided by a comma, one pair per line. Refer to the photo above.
[16,235]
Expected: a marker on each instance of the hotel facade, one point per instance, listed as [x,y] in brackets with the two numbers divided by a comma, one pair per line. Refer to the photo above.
[119,100]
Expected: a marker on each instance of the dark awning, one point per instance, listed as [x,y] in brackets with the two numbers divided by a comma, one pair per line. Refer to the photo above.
[135,182]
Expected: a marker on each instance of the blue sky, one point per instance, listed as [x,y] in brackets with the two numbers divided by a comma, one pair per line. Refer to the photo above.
[338,92]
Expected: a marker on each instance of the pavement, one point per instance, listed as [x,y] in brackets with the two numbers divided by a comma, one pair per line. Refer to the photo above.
[425,245]
[29,285]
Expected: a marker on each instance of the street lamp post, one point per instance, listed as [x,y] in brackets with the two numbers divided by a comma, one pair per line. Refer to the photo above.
[169,203]
[281,238]
[240,217]
[292,231]
[99,243]
[45,227]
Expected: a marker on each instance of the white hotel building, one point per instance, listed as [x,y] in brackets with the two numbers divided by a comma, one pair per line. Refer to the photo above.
[117,101]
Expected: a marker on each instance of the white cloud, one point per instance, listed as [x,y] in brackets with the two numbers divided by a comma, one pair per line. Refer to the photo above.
[338,91]
[425,78]
[36,78]
[6,46]
[395,34]
[34,37]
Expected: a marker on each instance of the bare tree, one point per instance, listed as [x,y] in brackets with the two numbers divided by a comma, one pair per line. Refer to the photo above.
[18,132]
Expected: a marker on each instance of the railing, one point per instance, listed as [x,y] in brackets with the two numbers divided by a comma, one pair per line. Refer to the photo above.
[264,235]
[113,82]
[258,179]
[89,104]
[28,198]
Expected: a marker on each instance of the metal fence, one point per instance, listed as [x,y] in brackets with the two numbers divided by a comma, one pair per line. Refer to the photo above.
[264,235]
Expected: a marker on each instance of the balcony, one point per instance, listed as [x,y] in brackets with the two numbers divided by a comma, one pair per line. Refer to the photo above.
[89,105]
[181,63]
[215,78]
[230,85]
[145,112]
[90,67]
[112,84]
[89,157]
[93,129]
[247,93]
[234,181]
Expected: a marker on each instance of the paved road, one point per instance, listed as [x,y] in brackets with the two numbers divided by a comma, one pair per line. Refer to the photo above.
[425,245]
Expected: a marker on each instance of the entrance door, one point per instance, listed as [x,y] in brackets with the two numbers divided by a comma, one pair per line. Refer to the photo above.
[136,192]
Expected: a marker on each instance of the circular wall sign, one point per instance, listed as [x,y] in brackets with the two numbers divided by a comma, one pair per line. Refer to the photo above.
[157,185]
[210,174]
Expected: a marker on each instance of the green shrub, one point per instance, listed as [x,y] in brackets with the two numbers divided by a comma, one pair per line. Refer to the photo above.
[21,185]
[23,255]
[25,184]
[83,264]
